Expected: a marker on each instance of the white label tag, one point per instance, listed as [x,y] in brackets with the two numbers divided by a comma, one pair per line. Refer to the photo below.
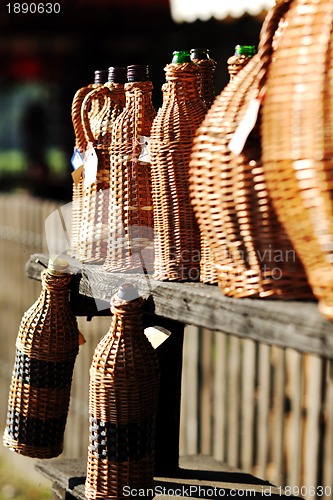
[76,160]
[90,167]
[242,132]
[145,149]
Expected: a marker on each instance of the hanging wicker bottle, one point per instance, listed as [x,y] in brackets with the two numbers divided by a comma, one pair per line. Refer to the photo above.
[94,230]
[252,252]
[46,348]
[81,145]
[123,394]
[131,207]
[177,238]
[298,139]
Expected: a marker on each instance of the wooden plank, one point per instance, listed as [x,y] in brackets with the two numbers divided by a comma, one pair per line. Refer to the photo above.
[279,415]
[271,321]
[313,409]
[205,475]
[249,363]
[295,363]
[206,392]
[189,400]
[263,422]
[328,447]
[219,405]
[234,386]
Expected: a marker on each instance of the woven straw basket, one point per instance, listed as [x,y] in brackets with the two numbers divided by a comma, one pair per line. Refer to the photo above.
[81,144]
[298,139]
[123,394]
[94,231]
[46,348]
[130,201]
[177,238]
[253,254]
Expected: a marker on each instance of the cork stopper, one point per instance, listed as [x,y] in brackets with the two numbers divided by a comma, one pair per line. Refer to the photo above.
[57,266]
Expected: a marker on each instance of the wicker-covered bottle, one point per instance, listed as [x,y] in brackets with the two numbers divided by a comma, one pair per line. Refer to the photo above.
[177,238]
[46,348]
[206,68]
[131,207]
[298,139]
[94,230]
[252,252]
[81,145]
[123,395]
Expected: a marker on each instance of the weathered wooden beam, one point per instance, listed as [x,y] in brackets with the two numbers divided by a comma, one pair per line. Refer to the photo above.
[198,477]
[294,324]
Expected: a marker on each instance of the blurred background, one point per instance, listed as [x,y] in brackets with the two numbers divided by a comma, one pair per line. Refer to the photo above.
[46,58]
[277,427]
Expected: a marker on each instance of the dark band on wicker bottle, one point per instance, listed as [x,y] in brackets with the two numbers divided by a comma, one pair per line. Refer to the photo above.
[46,348]
[94,230]
[206,68]
[100,78]
[123,394]
[242,55]
[131,207]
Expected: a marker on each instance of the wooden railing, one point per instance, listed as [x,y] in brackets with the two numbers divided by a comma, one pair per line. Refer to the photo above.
[257,382]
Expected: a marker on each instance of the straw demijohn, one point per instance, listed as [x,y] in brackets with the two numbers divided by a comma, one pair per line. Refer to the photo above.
[177,238]
[94,230]
[130,201]
[205,71]
[46,348]
[298,139]
[123,394]
[81,145]
[239,60]
[253,254]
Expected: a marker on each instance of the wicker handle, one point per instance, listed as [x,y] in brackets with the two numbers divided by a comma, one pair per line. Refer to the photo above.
[95,94]
[80,139]
[265,49]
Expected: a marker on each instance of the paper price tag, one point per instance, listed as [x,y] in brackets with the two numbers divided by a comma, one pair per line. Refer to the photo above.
[76,160]
[237,143]
[145,149]
[90,160]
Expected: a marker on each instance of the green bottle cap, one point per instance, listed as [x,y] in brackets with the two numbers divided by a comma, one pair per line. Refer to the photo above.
[245,50]
[181,56]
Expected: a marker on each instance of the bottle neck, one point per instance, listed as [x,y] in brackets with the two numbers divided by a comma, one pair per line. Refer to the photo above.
[182,80]
[56,286]
[138,93]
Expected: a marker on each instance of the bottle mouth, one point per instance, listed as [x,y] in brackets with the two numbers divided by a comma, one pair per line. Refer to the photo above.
[245,50]
[101,76]
[117,74]
[138,73]
[199,54]
[181,56]
[57,266]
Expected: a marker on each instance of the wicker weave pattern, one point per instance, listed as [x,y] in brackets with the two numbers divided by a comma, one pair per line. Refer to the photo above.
[46,348]
[130,202]
[123,392]
[253,254]
[177,238]
[93,238]
[298,139]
